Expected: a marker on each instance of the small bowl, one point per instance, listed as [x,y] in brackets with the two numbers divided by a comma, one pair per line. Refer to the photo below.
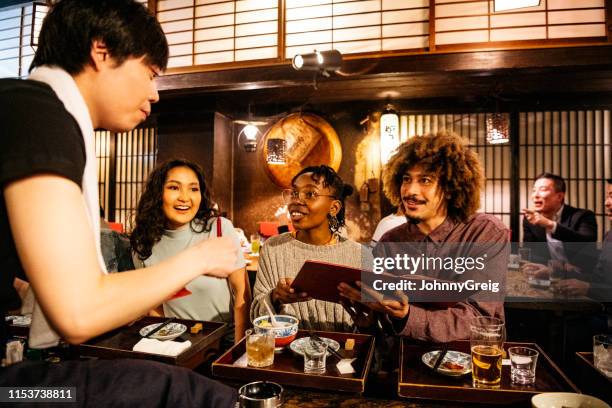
[282,335]
[566,399]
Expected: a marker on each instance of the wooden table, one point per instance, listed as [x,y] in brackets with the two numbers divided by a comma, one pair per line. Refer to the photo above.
[535,314]
[118,343]
[253,262]
[521,295]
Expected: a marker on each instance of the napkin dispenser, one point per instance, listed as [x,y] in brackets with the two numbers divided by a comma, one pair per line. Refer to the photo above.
[260,394]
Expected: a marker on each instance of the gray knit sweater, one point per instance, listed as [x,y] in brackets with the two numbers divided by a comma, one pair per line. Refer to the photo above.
[282,256]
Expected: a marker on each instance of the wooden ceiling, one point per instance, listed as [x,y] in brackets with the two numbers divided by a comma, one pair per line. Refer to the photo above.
[522,76]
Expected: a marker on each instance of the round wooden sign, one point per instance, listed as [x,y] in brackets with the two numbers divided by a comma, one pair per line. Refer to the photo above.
[310,141]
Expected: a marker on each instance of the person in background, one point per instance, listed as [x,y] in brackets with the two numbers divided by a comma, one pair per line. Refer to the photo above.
[437,179]
[388,223]
[558,231]
[115,248]
[175,212]
[599,287]
[94,68]
[316,208]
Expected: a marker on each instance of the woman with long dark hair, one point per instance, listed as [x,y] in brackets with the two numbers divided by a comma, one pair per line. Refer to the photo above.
[174,212]
[316,208]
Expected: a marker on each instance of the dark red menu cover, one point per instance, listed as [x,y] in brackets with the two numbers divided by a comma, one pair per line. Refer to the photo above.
[320,280]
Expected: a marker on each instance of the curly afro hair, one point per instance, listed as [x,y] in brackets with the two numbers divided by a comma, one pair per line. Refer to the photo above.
[445,154]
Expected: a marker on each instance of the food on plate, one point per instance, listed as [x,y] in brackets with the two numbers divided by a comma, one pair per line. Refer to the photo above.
[449,365]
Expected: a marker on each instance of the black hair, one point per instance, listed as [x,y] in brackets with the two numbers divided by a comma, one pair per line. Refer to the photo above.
[558,181]
[609,181]
[150,220]
[125,26]
[332,180]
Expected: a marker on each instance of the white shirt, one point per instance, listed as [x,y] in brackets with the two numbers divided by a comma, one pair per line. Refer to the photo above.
[555,246]
[386,224]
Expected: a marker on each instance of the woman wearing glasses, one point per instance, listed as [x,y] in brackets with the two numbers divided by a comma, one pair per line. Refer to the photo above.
[175,212]
[316,208]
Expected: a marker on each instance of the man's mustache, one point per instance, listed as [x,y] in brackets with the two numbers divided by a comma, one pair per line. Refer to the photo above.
[414,199]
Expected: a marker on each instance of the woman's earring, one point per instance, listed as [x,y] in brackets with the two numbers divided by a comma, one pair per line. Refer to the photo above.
[334,224]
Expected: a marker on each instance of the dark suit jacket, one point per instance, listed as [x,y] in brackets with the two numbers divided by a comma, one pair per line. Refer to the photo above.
[577,229]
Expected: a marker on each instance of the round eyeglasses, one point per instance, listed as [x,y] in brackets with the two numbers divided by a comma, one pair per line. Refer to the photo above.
[306,195]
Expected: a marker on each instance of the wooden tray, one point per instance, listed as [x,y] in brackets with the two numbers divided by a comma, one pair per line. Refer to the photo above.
[591,380]
[119,343]
[288,368]
[417,381]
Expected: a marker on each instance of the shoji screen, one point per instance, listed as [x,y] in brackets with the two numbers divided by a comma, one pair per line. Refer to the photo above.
[213,31]
[136,154]
[16,51]
[355,26]
[573,144]
[124,162]
[103,156]
[496,159]
[473,21]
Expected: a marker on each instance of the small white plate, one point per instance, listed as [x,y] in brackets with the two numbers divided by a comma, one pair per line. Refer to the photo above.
[455,357]
[298,344]
[169,332]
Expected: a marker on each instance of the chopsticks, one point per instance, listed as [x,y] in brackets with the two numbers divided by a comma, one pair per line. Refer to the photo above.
[158,328]
[440,358]
[317,338]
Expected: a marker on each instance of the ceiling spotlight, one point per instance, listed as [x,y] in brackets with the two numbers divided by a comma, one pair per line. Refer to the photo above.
[324,61]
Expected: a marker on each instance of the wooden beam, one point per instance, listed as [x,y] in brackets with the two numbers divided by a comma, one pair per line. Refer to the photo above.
[480,62]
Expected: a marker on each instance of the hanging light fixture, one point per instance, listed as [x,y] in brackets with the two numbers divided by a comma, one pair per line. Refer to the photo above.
[389,133]
[248,134]
[497,128]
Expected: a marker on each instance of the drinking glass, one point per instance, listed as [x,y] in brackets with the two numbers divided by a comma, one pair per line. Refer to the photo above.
[487,336]
[525,254]
[602,353]
[260,348]
[523,361]
[255,243]
[315,355]
[557,273]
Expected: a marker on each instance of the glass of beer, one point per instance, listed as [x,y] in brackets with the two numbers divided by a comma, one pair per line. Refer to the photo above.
[255,243]
[260,348]
[487,335]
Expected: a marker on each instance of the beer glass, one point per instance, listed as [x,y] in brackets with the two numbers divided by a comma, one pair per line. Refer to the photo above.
[487,335]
